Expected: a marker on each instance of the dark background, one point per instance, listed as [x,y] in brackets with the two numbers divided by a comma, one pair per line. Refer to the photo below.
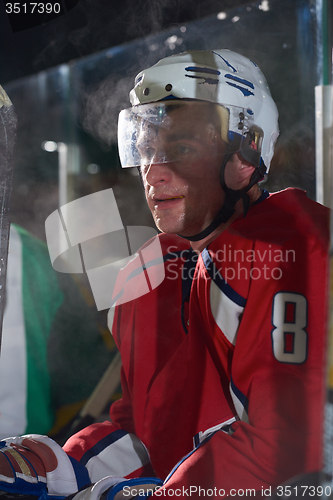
[88,27]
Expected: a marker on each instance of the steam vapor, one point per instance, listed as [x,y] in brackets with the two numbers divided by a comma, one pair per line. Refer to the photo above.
[103,107]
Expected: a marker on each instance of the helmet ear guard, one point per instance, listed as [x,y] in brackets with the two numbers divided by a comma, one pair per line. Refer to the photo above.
[232,196]
[251,145]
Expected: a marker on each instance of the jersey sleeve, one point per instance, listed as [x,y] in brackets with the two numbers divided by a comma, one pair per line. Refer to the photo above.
[107,449]
[112,448]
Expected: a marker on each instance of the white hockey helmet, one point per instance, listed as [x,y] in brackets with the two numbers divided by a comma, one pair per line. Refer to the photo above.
[239,94]
[223,77]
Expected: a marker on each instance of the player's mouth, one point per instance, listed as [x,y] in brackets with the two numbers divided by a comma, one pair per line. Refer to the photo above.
[166,201]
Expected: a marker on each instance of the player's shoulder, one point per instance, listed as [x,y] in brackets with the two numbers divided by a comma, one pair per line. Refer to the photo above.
[151,262]
[162,246]
[286,214]
[296,201]
[298,212]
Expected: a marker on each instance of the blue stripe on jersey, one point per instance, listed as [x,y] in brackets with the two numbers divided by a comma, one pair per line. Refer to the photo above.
[262,197]
[242,398]
[187,456]
[142,268]
[101,445]
[219,281]
[187,280]
[171,255]
[81,474]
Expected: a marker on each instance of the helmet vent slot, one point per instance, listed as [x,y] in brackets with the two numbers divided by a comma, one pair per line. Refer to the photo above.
[198,69]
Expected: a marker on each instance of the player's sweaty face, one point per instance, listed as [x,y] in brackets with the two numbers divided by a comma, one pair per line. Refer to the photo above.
[180,167]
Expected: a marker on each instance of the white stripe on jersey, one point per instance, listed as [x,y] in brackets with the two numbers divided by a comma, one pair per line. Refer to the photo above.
[120,458]
[202,435]
[225,312]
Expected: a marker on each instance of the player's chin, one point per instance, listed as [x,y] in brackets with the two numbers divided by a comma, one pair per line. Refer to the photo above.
[169,225]
[167,228]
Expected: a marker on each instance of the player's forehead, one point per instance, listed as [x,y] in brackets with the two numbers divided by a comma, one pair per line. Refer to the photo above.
[182,110]
[177,120]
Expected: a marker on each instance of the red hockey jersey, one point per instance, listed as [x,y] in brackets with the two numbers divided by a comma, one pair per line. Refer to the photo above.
[224,361]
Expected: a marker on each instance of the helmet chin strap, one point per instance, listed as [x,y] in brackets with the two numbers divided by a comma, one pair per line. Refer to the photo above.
[232,196]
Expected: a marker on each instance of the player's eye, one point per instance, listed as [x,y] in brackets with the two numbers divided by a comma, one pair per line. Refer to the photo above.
[184,149]
[146,154]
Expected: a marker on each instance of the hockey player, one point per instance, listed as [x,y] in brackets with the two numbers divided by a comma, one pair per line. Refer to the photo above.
[223,362]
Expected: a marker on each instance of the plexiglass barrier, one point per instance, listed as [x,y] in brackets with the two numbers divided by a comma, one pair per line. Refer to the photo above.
[68,114]
[67,150]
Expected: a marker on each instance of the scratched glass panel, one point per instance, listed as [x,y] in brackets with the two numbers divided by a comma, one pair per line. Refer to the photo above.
[67,148]
[76,106]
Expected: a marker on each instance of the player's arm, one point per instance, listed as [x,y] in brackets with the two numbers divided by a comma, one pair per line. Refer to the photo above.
[111,448]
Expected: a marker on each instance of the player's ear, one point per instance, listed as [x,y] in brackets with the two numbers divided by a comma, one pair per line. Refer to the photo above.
[237,172]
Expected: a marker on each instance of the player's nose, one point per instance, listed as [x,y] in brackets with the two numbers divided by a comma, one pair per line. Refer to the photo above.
[157,172]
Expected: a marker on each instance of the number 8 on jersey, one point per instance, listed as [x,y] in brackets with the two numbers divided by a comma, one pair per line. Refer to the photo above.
[289,318]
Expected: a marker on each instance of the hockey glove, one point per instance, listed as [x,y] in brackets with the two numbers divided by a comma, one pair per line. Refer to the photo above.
[37,465]
[118,488]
